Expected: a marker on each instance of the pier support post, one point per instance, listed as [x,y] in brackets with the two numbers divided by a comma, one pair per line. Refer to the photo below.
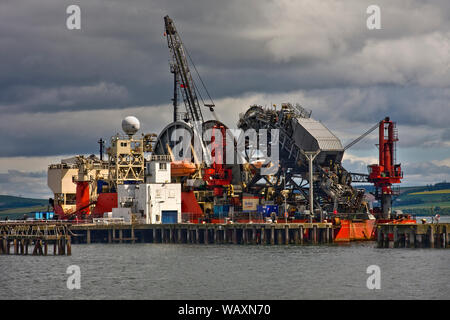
[396,237]
[225,235]
[296,236]
[331,237]
[179,237]
[279,236]
[438,237]
[431,236]
[286,235]
[109,236]
[301,234]
[121,235]
[88,236]
[132,235]
[206,236]
[379,237]
[315,234]
[446,240]
[69,246]
[234,235]
[412,237]
[272,235]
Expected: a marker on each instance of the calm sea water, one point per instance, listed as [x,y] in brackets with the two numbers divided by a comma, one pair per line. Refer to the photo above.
[169,271]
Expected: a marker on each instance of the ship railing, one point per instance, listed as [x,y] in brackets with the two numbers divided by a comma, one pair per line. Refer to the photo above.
[107,221]
[160,157]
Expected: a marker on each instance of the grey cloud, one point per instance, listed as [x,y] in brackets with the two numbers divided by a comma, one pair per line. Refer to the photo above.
[27,184]
[61,90]
[252,46]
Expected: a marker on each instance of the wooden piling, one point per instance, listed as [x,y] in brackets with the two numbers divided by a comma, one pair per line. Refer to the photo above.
[301,234]
[431,236]
[272,235]
[286,235]
[69,246]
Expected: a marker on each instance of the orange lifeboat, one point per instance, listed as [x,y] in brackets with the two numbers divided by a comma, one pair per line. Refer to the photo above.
[182,168]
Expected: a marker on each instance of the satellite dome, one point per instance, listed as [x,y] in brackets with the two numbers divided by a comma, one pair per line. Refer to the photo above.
[130,125]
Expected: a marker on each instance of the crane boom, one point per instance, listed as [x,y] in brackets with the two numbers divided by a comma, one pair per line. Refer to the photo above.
[180,67]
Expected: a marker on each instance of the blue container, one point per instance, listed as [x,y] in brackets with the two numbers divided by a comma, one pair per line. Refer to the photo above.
[100,184]
[221,210]
[38,215]
[267,209]
[49,215]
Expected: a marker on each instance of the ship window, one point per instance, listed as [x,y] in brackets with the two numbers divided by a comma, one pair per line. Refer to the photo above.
[162,166]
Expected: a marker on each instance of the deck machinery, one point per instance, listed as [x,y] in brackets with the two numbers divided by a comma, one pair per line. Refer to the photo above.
[300,138]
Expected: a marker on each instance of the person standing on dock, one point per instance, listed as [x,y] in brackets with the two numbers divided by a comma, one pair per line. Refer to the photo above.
[437,217]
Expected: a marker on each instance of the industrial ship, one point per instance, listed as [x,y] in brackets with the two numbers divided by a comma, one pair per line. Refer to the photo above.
[145,180]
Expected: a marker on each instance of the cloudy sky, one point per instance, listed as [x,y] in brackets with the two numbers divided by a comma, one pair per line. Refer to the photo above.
[61,90]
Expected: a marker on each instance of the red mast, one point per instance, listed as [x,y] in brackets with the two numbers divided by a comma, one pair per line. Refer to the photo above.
[387,172]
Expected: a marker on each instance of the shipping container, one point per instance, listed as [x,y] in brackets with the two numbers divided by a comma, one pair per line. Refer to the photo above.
[266,210]
[221,210]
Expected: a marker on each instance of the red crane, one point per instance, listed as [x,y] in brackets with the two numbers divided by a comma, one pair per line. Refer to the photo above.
[387,171]
[217,176]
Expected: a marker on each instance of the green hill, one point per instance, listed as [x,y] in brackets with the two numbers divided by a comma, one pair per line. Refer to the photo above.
[15,207]
[425,200]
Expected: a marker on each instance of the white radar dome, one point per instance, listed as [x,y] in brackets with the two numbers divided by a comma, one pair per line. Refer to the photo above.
[130,125]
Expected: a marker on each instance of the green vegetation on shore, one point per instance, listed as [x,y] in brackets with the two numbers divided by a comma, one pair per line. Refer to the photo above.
[426,200]
[16,207]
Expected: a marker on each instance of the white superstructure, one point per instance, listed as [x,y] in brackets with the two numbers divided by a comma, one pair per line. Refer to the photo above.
[154,202]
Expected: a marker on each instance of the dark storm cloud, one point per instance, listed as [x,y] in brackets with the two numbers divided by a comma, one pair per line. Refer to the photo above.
[16,174]
[27,184]
[52,79]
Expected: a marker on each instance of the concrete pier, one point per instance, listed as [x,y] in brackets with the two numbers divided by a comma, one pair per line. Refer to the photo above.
[413,235]
[242,233]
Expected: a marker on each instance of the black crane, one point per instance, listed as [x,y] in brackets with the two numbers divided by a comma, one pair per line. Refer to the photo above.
[182,75]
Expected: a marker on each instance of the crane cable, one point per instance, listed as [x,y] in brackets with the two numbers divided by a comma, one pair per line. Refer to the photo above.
[212,105]
[361,137]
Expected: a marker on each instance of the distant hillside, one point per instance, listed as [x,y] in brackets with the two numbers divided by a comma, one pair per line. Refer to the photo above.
[425,200]
[15,207]
[421,200]
[10,202]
